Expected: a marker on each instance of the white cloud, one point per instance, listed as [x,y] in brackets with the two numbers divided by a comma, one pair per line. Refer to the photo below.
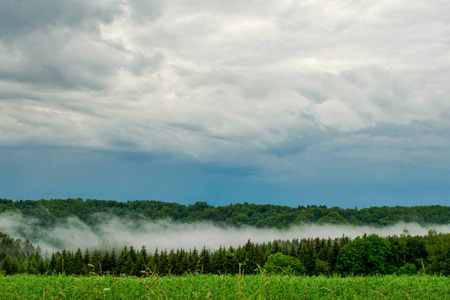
[220,81]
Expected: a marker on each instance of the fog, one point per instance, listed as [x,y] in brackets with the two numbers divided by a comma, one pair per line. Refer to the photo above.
[115,232]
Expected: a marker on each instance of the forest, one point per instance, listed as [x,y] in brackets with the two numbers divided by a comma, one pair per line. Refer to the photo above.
[365,255]
[51,211]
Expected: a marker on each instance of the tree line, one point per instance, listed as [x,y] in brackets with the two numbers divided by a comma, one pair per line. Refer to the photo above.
[365,255]
[48,212]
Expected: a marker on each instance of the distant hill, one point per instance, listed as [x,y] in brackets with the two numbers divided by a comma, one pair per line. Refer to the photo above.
[259,215]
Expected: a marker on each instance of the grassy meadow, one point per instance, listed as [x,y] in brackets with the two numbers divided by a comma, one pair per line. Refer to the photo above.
[224,287]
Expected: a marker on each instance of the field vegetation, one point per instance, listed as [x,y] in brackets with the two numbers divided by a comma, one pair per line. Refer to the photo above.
[198,286]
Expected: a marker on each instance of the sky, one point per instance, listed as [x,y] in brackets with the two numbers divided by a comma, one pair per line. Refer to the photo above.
[337,103]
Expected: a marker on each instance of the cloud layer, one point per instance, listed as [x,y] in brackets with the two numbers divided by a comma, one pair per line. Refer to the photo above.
[292,88]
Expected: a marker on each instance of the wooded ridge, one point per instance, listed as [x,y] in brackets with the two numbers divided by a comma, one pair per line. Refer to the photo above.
[258,215]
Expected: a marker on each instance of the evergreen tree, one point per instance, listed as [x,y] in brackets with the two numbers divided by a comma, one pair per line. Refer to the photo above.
[133,254]
[124,264]
[87,257]
[306,256]
[219,261]
[185,263]
[172,263]
[205,261]
[53,263]
[78,266]
[194,259]
[98,263]
[36,263]
[141,261]
[162,263]
[112,263]
[275,247]
[9,265]
[65,262]
[156,262]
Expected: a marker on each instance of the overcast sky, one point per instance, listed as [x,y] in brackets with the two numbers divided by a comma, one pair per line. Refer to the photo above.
[342,103]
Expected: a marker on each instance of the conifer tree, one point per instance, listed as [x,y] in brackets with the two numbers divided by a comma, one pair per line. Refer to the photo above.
[36,263]
[275,247]
[232,265]
[162,263]
[112,263]
[194,259]
[172,263]
[156,260]
[97,263]
[205,261]
[124,263]
[133,254]
[141,261]
[9,265]
[185,262]
[78,266]
[53,263]
[219,261]
[86,257]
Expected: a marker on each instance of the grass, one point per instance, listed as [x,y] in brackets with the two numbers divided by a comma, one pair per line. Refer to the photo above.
[224,287]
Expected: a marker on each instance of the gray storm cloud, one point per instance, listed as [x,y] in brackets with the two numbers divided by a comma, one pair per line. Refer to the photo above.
[116,233]
[263,82]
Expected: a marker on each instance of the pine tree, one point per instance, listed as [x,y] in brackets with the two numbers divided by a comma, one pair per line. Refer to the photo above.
[172,263]
[156,260]
[141,261]
[231,265]
[249,262]
[53,263]
[112,262]
[275,247]
[205,261]
[306,256]
[78,266]
[133,254]
[219,261]
[162,263]
[86,257]
[9,265]
[185,263]
[96,262]
[36,264]
[124,263]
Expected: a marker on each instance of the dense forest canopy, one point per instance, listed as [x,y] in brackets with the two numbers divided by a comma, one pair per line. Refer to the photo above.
[245,214]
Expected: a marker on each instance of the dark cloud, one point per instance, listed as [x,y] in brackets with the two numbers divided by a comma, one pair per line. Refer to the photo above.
[18,18]
[294,91]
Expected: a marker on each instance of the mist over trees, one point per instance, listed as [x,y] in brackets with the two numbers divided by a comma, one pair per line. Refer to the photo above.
[258,215]
[365,255]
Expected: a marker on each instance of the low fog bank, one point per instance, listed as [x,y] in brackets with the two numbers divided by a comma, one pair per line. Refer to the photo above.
[119,232]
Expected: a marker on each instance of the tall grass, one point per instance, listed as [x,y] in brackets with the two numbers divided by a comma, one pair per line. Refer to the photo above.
[196,286]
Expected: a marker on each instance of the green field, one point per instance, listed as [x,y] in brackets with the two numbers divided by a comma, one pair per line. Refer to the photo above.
[224,287]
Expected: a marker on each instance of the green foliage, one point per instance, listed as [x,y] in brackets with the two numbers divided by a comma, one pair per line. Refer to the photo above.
[408,269]
[438,247]
[279,263]
[367,255]
[49,212]
[223,287]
